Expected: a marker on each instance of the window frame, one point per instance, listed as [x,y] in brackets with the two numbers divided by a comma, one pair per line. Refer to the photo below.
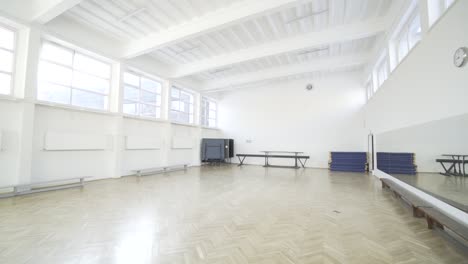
[191,114]
[203,112]
[14,61]
[403,33]
[141,75]
[382,64]
[74,51]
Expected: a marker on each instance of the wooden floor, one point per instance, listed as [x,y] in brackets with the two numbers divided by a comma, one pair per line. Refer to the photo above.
[220,215]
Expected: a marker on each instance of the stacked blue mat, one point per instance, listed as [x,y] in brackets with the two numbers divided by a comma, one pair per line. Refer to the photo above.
[348,161]
[398,163]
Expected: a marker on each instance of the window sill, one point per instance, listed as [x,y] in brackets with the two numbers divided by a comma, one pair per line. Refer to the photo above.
[213,128]
[142,118]
[183,124]
[75,108]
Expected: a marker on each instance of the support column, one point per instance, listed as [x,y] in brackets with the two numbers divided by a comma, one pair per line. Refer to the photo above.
[29,45]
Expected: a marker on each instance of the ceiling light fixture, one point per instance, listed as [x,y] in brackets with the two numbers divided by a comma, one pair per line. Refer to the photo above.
[311,51]
[220,70]
[187,50]
[306,16]
[132,14]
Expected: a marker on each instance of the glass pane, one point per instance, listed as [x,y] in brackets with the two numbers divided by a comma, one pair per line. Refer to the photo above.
[212,123]
[191,108]
[175,93]
[184,118]
[175,105]
[150,85]
[53,93]
[5,83]
[174,115]
[130,107]
[190,121]
[203,121]
[183,107]
[185,97]
[213,106]
[91,83]
[131,79]
[7,39]
[91,66]
[131,93]
[55,73]
[402,49]
[148,110]
[158,112]
[89,100]
[414,35]
[158,100]
[147,97]
[212,115]
[57,54]
[6,61]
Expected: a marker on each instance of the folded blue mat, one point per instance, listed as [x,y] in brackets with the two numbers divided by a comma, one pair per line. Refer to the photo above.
[396,163]
[348,161]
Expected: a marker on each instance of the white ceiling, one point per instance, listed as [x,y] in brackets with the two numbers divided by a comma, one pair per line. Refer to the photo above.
[130,21]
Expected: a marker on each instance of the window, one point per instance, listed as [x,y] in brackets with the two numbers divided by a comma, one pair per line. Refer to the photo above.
[437,8]
[381,72]
[142,95]
[408,37]
[181,107]
[69,77]
[7,58]
[209,113]
[369,88]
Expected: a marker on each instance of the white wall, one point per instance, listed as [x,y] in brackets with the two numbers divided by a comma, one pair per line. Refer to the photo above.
[10,129]
[426,86]
[284,116]
[428,141]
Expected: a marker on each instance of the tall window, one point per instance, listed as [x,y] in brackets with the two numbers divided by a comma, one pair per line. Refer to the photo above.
[142,95]
[369,88]
[381,71]
[209,113]
[7,58]
[181,106]
[409,36]
[437,8]
[72,78]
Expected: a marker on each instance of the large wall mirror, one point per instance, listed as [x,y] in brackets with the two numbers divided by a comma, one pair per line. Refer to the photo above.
[432,157]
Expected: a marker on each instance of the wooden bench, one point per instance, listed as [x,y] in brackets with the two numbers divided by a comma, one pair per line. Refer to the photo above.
[434,216]
[267,156]
[150,171]
[416,203]
[22,189]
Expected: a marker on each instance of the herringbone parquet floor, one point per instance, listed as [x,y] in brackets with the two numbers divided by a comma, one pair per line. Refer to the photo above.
[220,215]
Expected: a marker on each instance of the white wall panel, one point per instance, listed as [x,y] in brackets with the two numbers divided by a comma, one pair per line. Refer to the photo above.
[142,143]
[55,141]
[181,142]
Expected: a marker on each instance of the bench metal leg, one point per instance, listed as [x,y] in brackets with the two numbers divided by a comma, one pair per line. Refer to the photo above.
[303,163]
[448,172]
[241,161]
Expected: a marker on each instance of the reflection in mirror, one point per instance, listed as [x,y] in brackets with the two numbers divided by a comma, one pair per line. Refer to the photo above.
[432,157]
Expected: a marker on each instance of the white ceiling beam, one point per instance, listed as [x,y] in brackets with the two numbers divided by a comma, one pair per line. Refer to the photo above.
[320,64]
[46,10]
[236,13]
[337,34]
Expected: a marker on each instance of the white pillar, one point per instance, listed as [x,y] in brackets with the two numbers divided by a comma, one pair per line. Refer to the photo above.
[29,45]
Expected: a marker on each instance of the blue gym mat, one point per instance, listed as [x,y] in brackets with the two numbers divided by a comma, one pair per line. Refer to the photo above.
[348,161]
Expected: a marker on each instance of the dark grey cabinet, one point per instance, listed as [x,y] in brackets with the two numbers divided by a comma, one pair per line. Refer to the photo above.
[216,149]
